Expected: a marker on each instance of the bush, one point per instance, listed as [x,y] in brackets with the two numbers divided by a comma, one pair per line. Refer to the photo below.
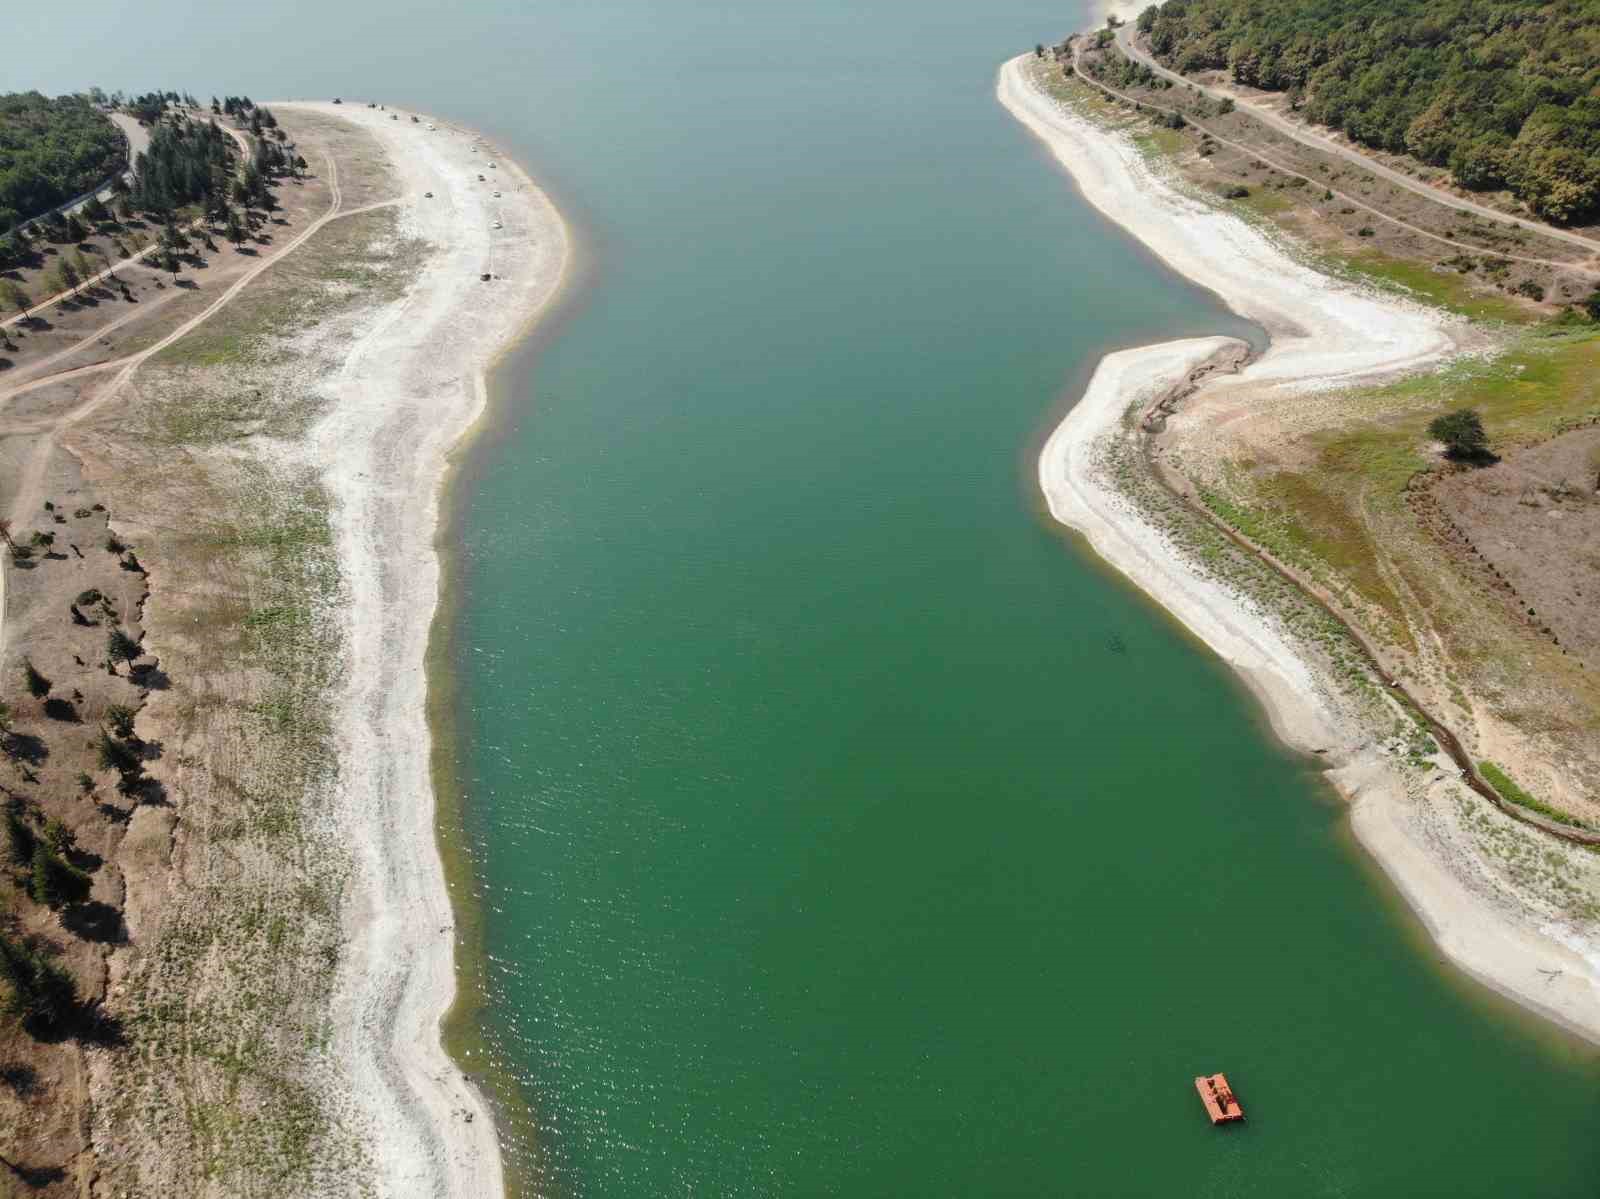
[1462,433]
[1531,289]
[1366,231]
[1235,191]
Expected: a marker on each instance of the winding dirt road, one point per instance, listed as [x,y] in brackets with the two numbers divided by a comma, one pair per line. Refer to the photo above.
[1592,269]
[93,280]
[1128,44]
[26,498]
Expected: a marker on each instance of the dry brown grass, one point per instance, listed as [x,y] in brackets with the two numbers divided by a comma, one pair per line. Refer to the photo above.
[230,887]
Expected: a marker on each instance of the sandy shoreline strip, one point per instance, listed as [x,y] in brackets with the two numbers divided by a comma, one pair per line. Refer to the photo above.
[413,384]
[1323,333]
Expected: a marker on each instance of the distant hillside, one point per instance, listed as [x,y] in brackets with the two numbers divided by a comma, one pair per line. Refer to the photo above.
[1504,94]
[50,151]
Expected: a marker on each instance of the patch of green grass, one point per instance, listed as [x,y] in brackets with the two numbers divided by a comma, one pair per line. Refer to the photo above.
[1263,202]
[1159,140]
[1449,290]
[1508,788]
[1547,379]
[353,259]
[1327,523]
[1315,530]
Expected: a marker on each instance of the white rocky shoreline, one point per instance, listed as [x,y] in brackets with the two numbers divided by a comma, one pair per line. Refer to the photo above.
[408,391]
[1324,333]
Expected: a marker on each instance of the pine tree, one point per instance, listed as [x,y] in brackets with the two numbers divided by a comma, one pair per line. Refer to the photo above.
[52,880]
[120,718]
[41,992]
[117,755]
[20,838]
[121,646]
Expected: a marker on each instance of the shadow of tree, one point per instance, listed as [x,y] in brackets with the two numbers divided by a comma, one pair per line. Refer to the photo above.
[19,1078]
[95,921]
[37,1176]
[151,678]
[25,747]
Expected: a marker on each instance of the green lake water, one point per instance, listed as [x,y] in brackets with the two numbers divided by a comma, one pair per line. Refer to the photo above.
[826,842]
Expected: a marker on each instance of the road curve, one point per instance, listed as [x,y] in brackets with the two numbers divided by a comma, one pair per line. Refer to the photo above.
[1317,141]
[95,280]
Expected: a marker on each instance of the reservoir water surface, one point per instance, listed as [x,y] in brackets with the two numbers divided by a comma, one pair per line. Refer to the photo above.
[841,826]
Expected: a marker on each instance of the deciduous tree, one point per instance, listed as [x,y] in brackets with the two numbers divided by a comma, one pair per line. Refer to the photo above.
[1462,433]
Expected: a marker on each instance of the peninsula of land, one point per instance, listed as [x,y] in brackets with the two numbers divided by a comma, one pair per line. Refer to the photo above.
[1147,466]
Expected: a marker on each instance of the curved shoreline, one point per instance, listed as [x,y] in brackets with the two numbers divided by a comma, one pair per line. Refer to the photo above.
[1322,334]
[412,387]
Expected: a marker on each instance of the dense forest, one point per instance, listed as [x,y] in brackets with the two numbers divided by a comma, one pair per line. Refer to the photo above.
[1504,93]
[51,151]
[187,162]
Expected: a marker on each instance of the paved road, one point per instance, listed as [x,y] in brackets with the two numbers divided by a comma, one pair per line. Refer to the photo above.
[138,138]
[1125,41]
[138,142]
[94,280]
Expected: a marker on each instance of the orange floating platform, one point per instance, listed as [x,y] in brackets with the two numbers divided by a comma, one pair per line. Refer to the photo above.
[1221,1104]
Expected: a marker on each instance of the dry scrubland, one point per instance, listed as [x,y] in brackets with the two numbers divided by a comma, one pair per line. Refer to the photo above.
[244,887]
[1327,516]
[222,876]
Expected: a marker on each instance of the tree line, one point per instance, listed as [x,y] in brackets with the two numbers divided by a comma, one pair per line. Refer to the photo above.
[187,162]
[1505,94]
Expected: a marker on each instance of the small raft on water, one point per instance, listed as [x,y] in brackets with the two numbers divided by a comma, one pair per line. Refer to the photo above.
[1221,1104]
